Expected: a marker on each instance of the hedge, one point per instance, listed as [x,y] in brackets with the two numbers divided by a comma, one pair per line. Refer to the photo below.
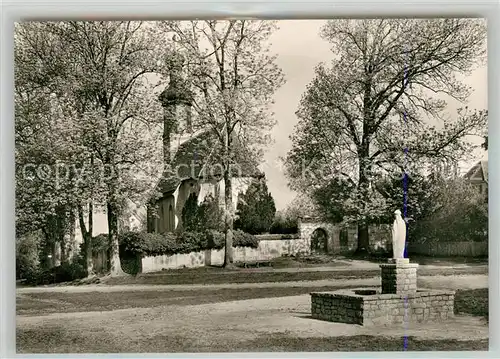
[154,244]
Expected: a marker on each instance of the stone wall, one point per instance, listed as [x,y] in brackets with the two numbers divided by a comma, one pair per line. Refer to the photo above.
[382,309]
[158,263]
[270,246]
[380,235]
[267,249]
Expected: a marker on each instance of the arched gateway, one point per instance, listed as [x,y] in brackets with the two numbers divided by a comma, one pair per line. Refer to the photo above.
[326,238]
[319,241]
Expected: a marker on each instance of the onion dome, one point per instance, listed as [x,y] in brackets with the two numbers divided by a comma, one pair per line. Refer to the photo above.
[177,91]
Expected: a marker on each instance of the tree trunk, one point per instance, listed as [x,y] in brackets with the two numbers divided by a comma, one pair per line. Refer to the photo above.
[228,220]
[363,185]
[89,259]
[71,235]
[228,201]
[89,262]
[364,155]
[87,240]
[363,238]
[45,261]
[115,268]
[53,251]
[49,253]
[61,233]
[150,220]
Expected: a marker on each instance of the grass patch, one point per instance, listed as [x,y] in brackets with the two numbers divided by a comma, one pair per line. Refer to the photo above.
[358,343]
[473,302]
[222,276]
[53,340]
[57,302]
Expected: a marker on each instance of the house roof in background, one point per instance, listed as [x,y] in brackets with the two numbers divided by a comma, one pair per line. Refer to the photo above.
[484,167]
[481,168]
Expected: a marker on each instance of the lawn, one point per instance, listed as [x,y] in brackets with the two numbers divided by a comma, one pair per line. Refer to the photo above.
[473,302]
[357,343]
[216,275]
[56,302]
[48,341]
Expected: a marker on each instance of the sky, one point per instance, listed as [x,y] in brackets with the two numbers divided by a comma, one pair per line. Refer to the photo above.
[300,48]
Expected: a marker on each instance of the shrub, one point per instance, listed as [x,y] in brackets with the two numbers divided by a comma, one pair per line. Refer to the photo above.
[100,243]
[284,225]
[154,244]
[255,209]
[27,254]
[210,214]
[199,218]
[134,242]
[190,215]
[214,240]
[69,271]
[242,239]
[459,213]
[66,272]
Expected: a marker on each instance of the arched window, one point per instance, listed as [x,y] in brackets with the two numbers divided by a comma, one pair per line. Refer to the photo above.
[161,220]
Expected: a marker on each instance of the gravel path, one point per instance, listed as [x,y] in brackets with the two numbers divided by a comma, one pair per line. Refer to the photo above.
[340,266]
[449,282]
[238,320]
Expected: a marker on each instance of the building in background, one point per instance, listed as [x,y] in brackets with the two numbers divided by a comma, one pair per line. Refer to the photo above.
[478,176]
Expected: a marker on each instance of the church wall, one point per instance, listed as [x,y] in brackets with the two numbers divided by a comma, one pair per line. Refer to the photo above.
[203,189]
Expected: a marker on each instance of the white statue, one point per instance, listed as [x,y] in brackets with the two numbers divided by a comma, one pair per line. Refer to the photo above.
[398,235]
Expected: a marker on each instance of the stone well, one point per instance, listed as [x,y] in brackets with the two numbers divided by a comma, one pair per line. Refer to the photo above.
[397,301]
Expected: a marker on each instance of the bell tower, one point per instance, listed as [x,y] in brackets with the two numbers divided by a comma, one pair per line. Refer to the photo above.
[176,100]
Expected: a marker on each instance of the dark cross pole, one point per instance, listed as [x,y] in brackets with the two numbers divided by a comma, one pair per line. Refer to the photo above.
[405,196]
[405,174]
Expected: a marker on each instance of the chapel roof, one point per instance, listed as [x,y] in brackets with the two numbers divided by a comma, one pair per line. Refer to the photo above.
[201,157]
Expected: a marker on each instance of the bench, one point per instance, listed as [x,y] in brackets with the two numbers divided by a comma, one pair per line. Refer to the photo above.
[257,264]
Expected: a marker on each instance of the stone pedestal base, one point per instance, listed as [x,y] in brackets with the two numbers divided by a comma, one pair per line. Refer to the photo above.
[399,276]
[346,306]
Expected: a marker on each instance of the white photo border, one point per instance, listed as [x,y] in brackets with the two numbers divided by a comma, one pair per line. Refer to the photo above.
[13,11]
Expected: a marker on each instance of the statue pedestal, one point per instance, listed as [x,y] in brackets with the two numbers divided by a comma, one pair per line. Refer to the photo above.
[399,276]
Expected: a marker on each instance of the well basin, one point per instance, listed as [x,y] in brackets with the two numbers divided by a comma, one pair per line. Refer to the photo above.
[367,306]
